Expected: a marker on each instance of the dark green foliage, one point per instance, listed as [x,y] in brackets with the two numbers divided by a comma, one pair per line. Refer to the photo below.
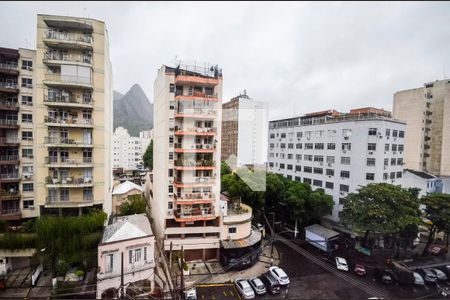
[13,241]
[224,169]
[437,210]
[135,205]
[2,226]
[148,156]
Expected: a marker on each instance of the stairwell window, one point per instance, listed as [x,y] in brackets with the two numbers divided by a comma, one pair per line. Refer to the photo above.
[109,263]
[372,131]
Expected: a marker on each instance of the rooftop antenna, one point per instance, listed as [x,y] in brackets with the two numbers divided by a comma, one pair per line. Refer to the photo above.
[176,60]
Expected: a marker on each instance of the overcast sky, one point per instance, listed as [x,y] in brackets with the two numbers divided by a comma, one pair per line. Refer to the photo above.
[298,57]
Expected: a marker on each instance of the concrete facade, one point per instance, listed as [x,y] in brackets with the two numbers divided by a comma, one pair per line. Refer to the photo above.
[128,151]
[338,152]
[426,111]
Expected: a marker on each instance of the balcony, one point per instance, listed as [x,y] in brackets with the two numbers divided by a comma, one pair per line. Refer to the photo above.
[196,96]
[9,87]
[196,114]
[68,40]
[187,165]
[69,182]
[9,123]
[10,68]
[194,198]
[9,142]
[238,214]
[68,122]
[9,159]
[10,214]
[195,148]
[192,215]
[56,59]
[198,182]
[54,162]
[9,105]
[67,81]
[196,80]
[69,101]
[10,195]
[13,176]
[197,131]
[67,201]
[66,143]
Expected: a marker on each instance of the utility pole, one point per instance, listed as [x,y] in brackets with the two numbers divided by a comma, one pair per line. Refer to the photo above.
[121,277]
[272,238]
[182,270]
[170,256]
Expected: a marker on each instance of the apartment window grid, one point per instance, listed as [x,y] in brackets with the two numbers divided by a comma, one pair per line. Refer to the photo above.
[345,160]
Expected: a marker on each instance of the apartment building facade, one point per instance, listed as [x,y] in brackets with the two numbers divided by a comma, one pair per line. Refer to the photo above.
[338,152]
[16,134]
[185,191]
[72,116]
[128,151]
[244,131]
[426,111]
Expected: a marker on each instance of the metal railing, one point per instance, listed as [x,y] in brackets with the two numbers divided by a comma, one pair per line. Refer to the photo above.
[196,94]
[9,157]
[205,212]
[68,180]
[67,121]
[191,163]
[11,211]
[9,104]
[194,196]
[72,79]
[197,111]
[5,195]
[9,140]
[79,58]
[68,161]
[67,99]
[194,146]
[53,199]
[65,141]
[9,85]
[197,129]
[14,175]
[70,37]
[9,66]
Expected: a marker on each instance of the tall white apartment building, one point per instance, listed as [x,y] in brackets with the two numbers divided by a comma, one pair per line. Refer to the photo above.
[244,131]
[186,172]
[128,151]
[338,152]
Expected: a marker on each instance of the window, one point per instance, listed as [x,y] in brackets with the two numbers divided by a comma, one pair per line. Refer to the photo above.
[401,134]
[370,176]
[289,177]
[346,146]
[298,168]
[282,166]
[319,133]
[385,176]
[308,145]
[271,145]
[170,155]
[394,133]
[330,172]
[331,133]
[298,157]
[386,147]
[317,182]
[319,146]
[27,82]
[145,253]
[386,161]
[272,135]
[399,161]
[170,189]
[271,164]
[27,135]
[345,160]
[137,255]
[27,100]
[388,132]
[298,146]
[330,159]
[298,179]
[372,131]
[329,185]
[401,148]
[27,118]
[299,134]
[331,146]
[307,157]
[371,162]
[392,175]
[393,161]
[28,203]
[27,65]
[290,156]
[289,167]
[27,187]
[109,263]
[341,201]
[172,88]
[399,174]
[343,188]
[290,146]
[394,147]
[282,145]
[283,135]
[318,171]
[232,229]
[306,180]
[371,146]
[345,174]
[318,158]
[307,169]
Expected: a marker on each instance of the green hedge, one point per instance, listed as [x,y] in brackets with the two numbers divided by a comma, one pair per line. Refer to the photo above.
[13,241]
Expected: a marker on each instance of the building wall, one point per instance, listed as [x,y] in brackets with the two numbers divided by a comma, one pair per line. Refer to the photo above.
[426,186]
[359,153]
[128,151]
[117,200]
[101,74]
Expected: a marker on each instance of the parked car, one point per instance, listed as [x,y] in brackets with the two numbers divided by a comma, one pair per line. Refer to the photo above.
[446,270]
[383,276]
[418,280]
[439,274]
[271,283]
[244,288]
[280,275]
[341,264]
[257,285]
[427,275]
[360,270]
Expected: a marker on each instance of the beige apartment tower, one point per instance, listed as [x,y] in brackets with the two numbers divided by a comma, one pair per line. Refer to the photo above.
[426,111]
[186,180]
[72,116]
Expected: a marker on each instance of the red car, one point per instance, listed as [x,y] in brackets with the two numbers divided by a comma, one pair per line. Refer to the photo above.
[360,270]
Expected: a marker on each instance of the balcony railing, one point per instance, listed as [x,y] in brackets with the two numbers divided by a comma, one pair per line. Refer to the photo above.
[65,141]
[9,157]
[9,66]
[195,213]
[68,180]
[194,196]
[198,111]
[67,161]
[9,140]
[12,176]
[195,146]
[8,104]
[53,199]
[69,79]
[9,122]
[196,129]
[70,37]
[67,121]
[67,99]
[190,163]
[9,194]
[196,180]
[9,85]
[10,212]
[80,58]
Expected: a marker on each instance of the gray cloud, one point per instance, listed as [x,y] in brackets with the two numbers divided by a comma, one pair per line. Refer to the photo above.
[299,57]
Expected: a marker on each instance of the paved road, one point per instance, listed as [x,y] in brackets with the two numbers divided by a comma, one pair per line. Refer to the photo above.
[371,290]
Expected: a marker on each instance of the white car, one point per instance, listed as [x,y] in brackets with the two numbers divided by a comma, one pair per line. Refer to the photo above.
[341,264]
[244,288]
[280,275]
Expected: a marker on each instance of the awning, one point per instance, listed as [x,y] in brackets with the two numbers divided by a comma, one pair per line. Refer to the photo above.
[251,240]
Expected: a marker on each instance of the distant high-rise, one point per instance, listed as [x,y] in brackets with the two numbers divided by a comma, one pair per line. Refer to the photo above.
[128,151]
[244,131]
[73,115]
[426,111]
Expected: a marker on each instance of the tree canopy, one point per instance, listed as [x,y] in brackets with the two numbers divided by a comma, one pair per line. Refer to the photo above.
[437,210]
[135,205]
[148,156]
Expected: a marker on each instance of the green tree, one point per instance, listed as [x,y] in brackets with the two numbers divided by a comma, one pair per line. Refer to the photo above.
[437,210]
[148,156]
[295,197]
[224,169]
[135,205]
[380,208]
[318,204]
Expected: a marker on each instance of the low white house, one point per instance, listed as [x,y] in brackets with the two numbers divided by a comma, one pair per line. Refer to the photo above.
[122,191]
[127,248]
[427,183]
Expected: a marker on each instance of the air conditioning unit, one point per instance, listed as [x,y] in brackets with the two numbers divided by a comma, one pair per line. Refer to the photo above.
[345,151]
[31,207]
[345,137]
[329,165]
[342,193]
[394,152]
[370,152]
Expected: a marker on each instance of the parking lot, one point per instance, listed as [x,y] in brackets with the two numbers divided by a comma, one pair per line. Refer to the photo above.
[217,292]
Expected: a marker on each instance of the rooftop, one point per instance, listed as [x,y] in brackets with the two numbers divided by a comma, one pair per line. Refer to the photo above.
[421,174]
[126,187]
[322,231]
[195,69]
[127,227]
